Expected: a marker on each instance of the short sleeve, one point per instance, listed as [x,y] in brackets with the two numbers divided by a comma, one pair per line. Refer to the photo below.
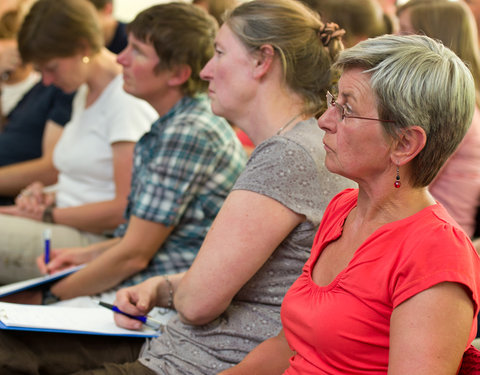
[447,255]
[271,169]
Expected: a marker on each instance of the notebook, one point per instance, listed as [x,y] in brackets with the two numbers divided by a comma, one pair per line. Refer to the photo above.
[63,319]
[8,289]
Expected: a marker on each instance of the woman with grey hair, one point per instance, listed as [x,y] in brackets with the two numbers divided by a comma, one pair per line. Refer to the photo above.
[391,283]
[229,299]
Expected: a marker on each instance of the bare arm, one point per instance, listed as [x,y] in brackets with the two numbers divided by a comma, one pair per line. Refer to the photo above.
[15,177]
[127,257]
[101,216]
[63,258]
[247,230]
[429,332]
[271,357]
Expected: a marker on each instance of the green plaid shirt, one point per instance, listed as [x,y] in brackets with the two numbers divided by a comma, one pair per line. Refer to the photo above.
[184,167]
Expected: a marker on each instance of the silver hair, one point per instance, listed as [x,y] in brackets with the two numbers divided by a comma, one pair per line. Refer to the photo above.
[418,81]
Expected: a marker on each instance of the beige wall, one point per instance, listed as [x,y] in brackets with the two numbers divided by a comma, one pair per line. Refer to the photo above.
[126,10]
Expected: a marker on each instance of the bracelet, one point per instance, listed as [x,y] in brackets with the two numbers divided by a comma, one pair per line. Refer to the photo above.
[170,292]
[48,297]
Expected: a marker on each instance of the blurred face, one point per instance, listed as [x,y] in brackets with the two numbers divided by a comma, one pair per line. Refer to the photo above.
[355,148]
[404,23]
[475,7]
[229,73]
[139,60]
[67,73]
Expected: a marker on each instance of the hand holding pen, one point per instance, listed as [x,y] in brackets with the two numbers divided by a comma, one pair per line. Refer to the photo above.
[137,300]
[144,319]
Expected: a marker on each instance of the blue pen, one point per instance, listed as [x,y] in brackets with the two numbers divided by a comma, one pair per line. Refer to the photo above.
[155,324]
[46,239]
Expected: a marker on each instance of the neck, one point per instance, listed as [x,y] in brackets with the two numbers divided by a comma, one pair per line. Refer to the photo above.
[166,101]
[276,114]
[394,204]
[103,68]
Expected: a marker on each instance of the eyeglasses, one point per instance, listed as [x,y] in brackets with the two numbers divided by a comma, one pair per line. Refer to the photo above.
[342,111]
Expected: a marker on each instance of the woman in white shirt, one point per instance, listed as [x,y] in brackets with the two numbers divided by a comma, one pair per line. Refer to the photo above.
[94,153]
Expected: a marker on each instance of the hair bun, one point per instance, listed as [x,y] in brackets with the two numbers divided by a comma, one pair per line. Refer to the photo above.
[330,31]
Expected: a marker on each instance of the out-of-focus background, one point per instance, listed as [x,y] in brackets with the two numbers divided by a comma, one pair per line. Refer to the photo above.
[125,10]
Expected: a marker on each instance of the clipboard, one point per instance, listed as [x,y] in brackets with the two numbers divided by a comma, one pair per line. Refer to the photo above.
[19,286]
[63,319]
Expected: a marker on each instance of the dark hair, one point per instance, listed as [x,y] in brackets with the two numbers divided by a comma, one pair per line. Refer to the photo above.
[59,28]
[181,33]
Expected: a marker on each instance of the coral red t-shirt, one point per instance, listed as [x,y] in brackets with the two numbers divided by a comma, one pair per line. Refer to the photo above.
[343,328]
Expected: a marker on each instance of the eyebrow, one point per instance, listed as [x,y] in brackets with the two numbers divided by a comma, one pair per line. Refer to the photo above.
[347,96]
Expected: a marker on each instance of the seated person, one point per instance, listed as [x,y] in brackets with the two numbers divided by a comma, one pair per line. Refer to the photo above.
[33,117]
[114,31]
[94,153]
[229,300]
[457,185]
[361,19]
[391,285]
[183,168]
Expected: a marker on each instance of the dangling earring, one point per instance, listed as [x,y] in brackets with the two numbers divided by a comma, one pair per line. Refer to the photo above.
[85,59]
[397,183]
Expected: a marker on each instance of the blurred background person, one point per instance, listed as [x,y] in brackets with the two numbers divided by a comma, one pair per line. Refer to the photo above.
[361,19]
[114,31]
[94,153]
[457,185]
[474,6]
[216,8]
[33,118]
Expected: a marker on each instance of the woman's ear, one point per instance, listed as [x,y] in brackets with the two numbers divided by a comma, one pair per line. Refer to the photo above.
[263,60]
[84,48]
[411,141]
[179,75]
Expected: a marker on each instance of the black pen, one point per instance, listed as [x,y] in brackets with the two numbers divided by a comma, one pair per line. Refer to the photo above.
[152,323]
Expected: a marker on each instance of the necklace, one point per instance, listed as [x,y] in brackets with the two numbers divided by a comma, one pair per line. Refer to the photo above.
[288,123]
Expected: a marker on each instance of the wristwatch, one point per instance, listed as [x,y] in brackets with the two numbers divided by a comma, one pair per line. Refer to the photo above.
[47,216]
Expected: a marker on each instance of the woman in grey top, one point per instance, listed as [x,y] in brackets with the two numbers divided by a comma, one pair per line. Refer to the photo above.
[264,80]
[269,76]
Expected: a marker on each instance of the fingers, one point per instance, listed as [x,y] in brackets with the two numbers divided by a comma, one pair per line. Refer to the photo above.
[41,264]
[126,301]
[32,199]
[126,322]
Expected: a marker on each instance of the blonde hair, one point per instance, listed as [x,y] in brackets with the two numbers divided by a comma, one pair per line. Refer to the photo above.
[293,30]
[451,22]
[418,81]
